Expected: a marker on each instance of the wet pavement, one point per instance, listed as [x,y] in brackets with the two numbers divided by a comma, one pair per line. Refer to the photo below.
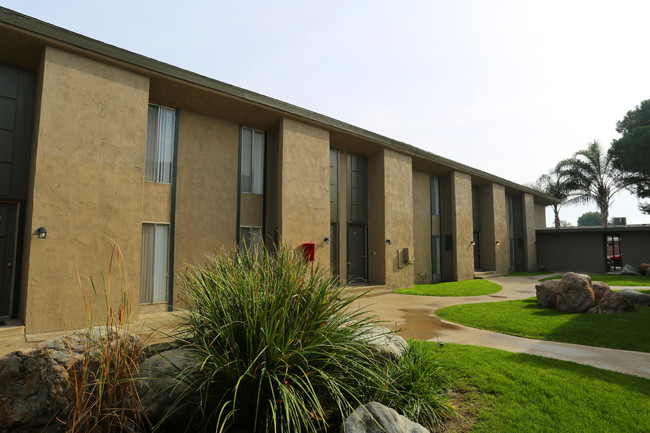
[414,317]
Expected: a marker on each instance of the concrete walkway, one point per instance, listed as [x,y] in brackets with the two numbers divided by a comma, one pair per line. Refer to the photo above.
[414,317]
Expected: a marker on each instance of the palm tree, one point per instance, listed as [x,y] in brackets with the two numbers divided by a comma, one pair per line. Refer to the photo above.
[591,177]
[555,184]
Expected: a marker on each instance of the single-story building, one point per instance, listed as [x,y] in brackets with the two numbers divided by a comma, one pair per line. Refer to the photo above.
[102,146]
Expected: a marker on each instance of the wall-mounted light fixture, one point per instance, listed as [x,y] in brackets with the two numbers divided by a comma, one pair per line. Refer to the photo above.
[473,243]
[326,239]
[389,242]
[498,243]
[42,232]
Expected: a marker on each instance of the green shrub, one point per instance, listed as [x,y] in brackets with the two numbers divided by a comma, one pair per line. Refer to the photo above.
[278,348]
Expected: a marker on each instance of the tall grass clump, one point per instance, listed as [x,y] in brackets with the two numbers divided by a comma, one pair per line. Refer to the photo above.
[105,361]
[277,344]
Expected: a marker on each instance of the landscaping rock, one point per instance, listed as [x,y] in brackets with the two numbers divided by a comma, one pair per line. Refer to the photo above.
[644,268]
[575,293]
[159,387]
[384,341]
[377,418]
[547,293]
[611,302]
[599,289]
[628,270]
[635,298]
[38,383]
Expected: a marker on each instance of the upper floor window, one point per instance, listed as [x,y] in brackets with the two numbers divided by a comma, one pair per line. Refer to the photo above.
[160,144]
[252,161]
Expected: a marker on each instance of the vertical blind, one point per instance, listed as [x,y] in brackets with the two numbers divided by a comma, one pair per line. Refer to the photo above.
[252,161]
[160,144]
[154,272]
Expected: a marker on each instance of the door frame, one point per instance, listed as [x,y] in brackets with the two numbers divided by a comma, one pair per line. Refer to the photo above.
[16,259]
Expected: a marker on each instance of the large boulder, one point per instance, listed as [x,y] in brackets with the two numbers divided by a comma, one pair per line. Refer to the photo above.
[628,270]
[161,385]
[377,418]
[635,298]
[384,341]
[547,293]
[644,269]
[599,289]
[611,302]
[38,383]
[575,293]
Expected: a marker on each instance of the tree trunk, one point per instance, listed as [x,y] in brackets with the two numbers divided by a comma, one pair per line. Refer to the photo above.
[556,210]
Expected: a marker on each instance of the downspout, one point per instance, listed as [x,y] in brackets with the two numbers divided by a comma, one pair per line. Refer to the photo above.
[172,222]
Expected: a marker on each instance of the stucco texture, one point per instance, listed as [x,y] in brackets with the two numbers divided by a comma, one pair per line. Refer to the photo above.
[398,184]
[422,227]
[529,232]
[88,178]
[304,180]
[462,225]
[206,187]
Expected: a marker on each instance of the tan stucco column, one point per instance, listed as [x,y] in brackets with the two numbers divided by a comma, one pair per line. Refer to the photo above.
[304,178]
[462,226]
[529,232]
[494,228]
[86,187]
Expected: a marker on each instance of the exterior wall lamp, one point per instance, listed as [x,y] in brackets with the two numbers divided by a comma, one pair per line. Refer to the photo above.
[42,232]
[498,243]
[472,243]
[326,239]
[389,242]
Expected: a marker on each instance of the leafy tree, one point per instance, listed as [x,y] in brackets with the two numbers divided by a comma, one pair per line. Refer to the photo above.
[565,224]
[556,185]
[589,219]
[592,178]
[631,152]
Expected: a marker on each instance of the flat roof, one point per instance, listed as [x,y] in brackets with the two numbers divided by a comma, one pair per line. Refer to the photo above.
[611,229]
[69,38]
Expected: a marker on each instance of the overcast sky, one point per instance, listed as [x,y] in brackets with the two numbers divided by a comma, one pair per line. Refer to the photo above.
[509,87]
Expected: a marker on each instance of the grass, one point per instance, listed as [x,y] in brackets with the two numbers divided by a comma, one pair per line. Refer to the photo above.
[458,288]
[525,318]
[278,348]
[515,392]
[528,274]
[614,279]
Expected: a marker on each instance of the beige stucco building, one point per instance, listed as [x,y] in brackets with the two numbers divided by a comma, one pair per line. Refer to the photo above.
[100,146]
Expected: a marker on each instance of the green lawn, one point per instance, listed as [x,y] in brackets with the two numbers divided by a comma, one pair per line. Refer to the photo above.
[525,318]
[527,274]
[614,280]
[514,392]
[458,288]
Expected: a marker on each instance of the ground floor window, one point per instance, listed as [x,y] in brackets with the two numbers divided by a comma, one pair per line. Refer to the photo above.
[251,238]
[154,273]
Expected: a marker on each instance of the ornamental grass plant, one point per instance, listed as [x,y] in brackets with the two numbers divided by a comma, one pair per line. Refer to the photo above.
[277,344]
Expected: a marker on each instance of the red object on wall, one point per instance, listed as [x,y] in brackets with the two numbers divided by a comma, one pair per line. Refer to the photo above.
[309,250]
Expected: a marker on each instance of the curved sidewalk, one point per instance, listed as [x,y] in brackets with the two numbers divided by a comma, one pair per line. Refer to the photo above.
[414,317]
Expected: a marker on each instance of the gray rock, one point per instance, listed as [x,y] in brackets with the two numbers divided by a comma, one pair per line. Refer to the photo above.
[610,303]
[38,383]
[377,418]
[575,294]
[384,341]
[161,386]
[635,298]
[628,270]
[547,293]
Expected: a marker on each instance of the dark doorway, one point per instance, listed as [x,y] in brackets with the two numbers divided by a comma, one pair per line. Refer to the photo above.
[613,254]
[8,244]
[477,251]
[357,253]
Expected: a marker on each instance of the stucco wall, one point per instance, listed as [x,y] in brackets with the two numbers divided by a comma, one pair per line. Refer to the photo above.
[540,216]
[422,227]
[494,228]
[88,179]
[462,226]
[398,180]
[635,248]
[304,184]
[206,187]
[529,232]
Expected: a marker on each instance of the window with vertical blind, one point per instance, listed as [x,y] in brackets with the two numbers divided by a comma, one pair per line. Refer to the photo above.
[251,238]
[160,144]
[154,270]
[252,161]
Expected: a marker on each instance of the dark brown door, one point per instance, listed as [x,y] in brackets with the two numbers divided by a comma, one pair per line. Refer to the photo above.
[8,230]
[357,253]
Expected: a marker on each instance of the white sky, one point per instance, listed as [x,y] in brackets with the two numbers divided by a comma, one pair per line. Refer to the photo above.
[509,87]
